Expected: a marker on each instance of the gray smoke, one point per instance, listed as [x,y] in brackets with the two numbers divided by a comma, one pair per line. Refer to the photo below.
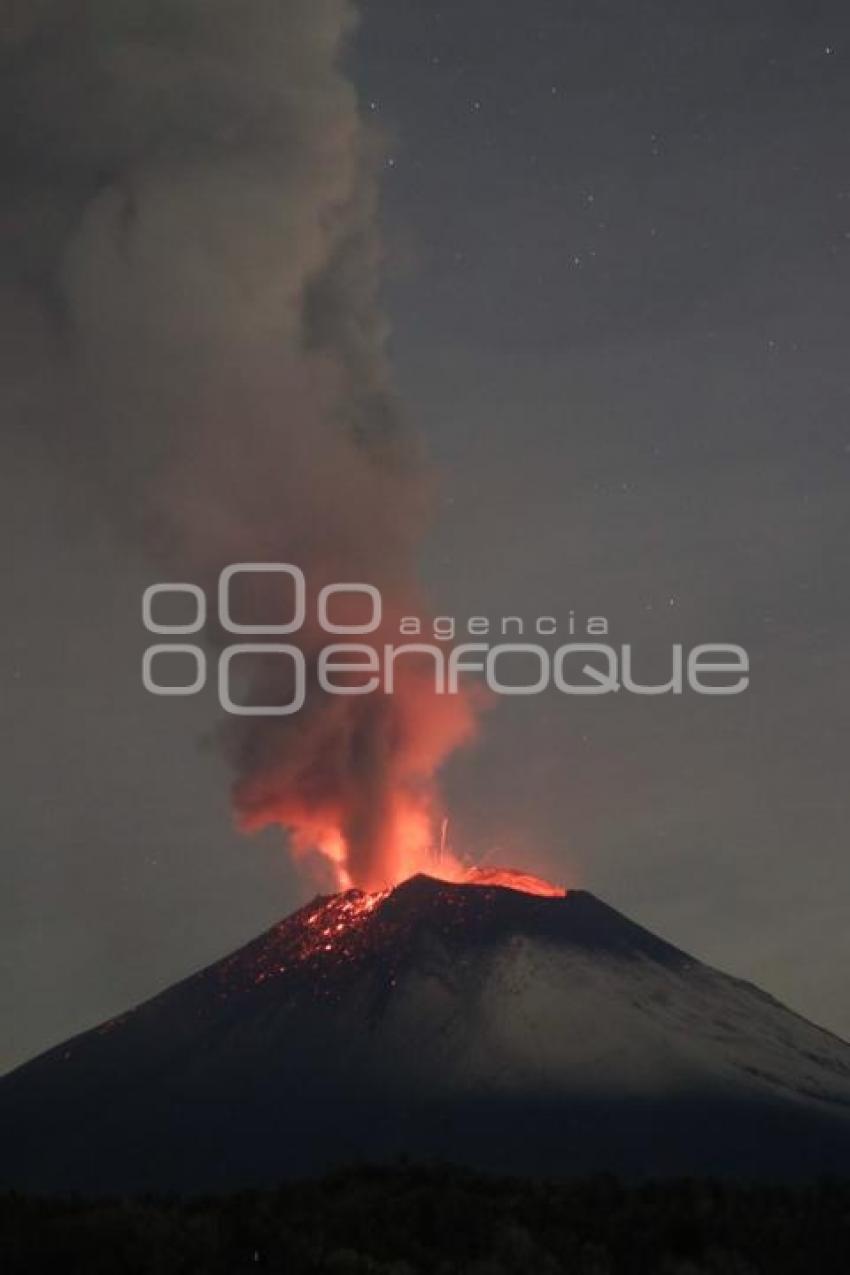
[189,275]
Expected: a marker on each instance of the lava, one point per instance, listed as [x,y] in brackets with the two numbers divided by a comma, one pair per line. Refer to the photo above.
[336,932]
[513,879]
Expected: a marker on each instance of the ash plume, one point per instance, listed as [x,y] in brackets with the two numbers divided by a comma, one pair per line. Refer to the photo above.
[190,266]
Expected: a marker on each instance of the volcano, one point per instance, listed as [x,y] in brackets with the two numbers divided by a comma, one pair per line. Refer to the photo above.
[486,1024]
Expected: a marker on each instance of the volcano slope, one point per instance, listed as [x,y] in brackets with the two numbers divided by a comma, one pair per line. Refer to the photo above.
[471,1023]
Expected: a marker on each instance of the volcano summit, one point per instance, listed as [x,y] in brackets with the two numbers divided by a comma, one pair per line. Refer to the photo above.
[537,1031]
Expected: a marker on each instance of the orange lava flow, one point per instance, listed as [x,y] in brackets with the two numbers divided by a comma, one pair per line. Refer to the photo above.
[514,879]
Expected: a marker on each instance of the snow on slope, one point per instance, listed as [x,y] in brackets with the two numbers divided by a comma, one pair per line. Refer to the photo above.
[549,1019]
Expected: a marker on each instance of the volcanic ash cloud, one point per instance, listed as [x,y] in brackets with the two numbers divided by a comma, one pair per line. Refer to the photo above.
[189,269]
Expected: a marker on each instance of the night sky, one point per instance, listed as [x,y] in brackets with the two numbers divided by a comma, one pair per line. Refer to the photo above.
[616,242]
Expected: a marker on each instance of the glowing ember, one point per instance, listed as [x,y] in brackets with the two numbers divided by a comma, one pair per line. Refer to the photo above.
[325,933]
[329,927]
[338,932]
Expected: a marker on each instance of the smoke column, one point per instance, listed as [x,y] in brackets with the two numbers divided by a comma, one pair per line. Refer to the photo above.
[189,276]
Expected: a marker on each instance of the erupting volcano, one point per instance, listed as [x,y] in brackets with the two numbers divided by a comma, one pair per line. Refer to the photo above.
[519,1028]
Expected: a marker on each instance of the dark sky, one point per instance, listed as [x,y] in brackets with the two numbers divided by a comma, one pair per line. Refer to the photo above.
[617,240]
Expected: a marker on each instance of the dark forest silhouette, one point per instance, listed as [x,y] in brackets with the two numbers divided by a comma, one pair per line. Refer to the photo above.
[407,1221]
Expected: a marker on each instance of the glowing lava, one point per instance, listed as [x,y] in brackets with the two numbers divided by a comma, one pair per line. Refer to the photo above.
[513,879]
[339,931]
